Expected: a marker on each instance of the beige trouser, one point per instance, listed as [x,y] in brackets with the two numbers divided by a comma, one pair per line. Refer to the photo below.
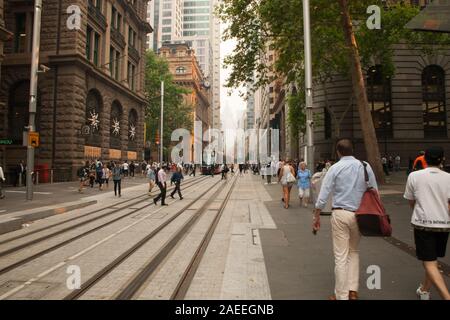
[346,238]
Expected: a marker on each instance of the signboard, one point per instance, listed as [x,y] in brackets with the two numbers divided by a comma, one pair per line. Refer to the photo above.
[6,142]
[92,152]
[33,139]
[115,154]
[132,155]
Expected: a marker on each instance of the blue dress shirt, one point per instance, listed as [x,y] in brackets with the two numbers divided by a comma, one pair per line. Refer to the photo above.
[346,183]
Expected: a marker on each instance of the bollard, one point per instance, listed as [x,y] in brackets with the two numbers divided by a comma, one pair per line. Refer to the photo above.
[20,179]
[51,175]
[37,177]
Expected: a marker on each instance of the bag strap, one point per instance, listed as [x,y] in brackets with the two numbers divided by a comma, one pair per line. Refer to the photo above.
[366,175]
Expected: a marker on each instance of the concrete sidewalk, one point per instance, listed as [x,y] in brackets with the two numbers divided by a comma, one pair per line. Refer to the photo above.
[300,265]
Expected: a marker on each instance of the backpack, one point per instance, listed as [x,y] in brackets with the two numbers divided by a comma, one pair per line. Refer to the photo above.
[81,172]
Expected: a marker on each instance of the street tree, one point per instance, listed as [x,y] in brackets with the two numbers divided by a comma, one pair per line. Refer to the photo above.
[177,113]
[342,44]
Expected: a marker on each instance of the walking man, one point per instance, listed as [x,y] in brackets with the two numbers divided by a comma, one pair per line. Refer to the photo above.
[346,184]
[162,178]
[176,178]
[2,179]
[428,192]
[117,179]
[132,167]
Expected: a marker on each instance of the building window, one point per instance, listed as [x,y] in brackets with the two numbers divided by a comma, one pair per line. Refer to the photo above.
[93,111]
[132,129]
[433,95]
[96,52]
[131,75]
[180,70]
[92,46]
[167,29]
[18,110]
[20,35]
[115,125]
[114,63]
[116,19]
[131,37]
[379,97]
[88,42]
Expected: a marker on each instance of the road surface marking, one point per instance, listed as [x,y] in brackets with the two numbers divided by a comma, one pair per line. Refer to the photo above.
[36,192]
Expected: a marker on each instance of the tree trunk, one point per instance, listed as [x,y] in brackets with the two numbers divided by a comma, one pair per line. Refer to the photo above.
[359,88]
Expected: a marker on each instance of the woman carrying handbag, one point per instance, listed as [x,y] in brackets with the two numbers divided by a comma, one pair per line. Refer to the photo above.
[287,179]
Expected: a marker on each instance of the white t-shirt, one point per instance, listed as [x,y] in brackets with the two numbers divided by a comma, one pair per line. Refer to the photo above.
[430,188]
[125,166]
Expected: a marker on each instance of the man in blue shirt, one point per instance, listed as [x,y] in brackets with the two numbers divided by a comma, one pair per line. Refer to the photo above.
[345,181]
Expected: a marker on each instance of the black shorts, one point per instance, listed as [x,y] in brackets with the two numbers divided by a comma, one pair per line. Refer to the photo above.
[430,245]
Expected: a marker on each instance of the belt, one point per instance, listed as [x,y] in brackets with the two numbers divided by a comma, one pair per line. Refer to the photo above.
[341,209]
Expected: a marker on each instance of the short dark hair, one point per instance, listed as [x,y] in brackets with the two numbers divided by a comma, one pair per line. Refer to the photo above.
[434,156]
[344,147]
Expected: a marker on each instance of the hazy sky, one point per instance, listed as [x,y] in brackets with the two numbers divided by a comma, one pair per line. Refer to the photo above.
[232,106]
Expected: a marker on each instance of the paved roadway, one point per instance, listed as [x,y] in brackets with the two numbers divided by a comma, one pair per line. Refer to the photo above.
[258,249]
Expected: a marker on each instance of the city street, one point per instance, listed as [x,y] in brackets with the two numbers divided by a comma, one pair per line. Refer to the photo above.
[225,240]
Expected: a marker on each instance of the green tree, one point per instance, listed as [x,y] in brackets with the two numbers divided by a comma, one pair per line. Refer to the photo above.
[341,44]
[177,113]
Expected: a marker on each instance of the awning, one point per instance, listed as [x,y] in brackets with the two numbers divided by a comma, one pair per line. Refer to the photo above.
[434,17]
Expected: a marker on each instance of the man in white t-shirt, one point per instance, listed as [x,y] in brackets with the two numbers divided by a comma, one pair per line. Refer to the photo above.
[428,192]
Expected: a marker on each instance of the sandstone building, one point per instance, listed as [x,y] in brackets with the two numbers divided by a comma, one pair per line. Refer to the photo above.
[186,71]
[91,101]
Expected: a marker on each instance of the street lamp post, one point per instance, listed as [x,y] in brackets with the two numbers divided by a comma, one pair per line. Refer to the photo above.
[161,155]
[33,93]
[308,87]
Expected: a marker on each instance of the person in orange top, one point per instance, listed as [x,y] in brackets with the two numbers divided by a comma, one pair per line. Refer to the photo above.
[420,162]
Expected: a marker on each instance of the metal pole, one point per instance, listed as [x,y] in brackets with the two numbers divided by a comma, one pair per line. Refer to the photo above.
[33,92]
[308,87]
[162,124]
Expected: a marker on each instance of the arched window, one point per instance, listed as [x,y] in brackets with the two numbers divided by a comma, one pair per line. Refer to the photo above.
[93,111]
[18,114]
[433,105]
[115,125]
[132,129]
[180,70]
[379,97]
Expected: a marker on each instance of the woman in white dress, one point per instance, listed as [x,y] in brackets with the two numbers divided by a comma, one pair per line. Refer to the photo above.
[287,179]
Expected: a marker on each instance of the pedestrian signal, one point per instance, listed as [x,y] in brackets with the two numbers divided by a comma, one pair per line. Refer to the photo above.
[33,139]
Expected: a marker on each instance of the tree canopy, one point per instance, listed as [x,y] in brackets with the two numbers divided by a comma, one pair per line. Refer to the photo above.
[177,114]
[259,24]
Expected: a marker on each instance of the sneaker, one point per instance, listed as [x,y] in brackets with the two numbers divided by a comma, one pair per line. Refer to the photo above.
[423,295]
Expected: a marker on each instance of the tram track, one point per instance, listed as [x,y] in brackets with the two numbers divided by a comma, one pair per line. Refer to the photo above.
[74,238]
[137,281]
[114,207]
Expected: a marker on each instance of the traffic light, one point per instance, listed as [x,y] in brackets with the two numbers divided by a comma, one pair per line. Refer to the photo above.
[157,138]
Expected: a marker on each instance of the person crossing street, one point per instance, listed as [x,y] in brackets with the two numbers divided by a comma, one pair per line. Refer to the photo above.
[176,179]
[162,184]
[117,178]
